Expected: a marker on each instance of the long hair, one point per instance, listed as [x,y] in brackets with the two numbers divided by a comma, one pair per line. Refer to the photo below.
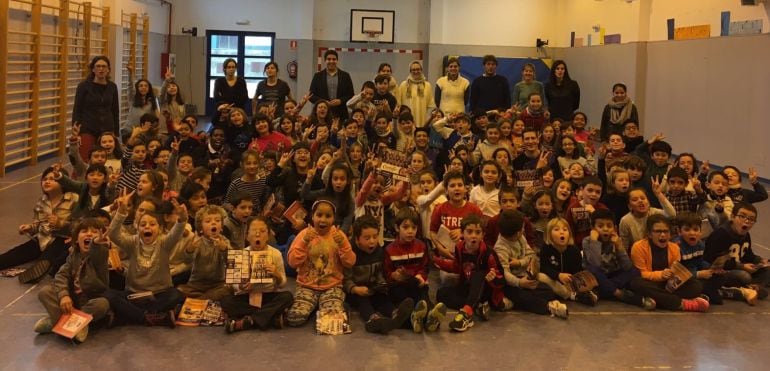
[556,63]
[140,101]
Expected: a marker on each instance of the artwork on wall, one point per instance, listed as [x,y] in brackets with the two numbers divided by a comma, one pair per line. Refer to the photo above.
[692,32]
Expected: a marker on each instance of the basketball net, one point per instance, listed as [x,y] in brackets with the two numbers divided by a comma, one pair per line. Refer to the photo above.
[372,36]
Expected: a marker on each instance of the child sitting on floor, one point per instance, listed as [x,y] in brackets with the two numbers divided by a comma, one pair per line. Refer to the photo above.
[208,253]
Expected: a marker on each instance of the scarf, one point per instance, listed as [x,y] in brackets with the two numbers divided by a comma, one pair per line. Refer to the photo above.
[620,111]
[420,82]
[535,113]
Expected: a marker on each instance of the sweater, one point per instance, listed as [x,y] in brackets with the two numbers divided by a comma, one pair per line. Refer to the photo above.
[208,263]
[451,95]
[641,255]
[237,94]
[490,93]
[486,201]
[320,262]
[602,255]
[94,277]
[235,231]
[411,256]
[725,241]
[96,107]
[632,228]
[563,99]
[148,268]
[367,271]
[522,90]
[553,262]
[508,250]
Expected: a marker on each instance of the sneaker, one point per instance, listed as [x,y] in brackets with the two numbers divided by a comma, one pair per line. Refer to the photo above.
[483,309]
[587,298]
[558,309]
[402,313]
[233,325]
[160,319]
[418,316]
[279,321]
[462,322]
[761,291]
[435,317]
[35,272]
[376,324]
[43,325]
[507,304]
[80,337]
[749,295]
[695,305]
[649,303]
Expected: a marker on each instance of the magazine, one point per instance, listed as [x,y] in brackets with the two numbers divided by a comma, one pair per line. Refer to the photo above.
[246,266]
[332,323]
[394,164]
[70,324]
[681,275]
[200,312]
[295,213]
[113,259]
[273,209]
[583,281]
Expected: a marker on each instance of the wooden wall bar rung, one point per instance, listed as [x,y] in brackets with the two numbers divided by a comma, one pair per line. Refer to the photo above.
[20,42]
[18,83]
[14,32]
[19,72]
[25,101]
[14,122]
[47,117]
[18,112]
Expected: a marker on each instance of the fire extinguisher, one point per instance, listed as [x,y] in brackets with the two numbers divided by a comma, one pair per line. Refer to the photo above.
[292,68]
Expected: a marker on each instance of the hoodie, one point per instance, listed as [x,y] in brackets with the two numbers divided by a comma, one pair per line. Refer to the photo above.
[519,250]
[484,260]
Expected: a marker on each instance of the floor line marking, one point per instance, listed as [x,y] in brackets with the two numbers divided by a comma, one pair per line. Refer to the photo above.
[28,314]
[19,298]
[28,179]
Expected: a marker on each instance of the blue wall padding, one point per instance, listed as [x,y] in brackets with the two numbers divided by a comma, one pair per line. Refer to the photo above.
[670,23]
[725,24]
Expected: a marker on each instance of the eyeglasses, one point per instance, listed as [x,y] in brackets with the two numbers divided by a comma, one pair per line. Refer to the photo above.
[661,231]
[746,219]
[101,66]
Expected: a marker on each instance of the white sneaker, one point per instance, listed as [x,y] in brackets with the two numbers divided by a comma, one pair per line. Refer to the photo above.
[558,309]
[507,304]
[43,325]
[81,336]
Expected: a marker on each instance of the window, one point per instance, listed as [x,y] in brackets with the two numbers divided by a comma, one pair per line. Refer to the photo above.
[252,51]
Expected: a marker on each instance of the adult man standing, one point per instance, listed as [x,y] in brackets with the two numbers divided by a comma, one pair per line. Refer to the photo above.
[333,85]
[490,91]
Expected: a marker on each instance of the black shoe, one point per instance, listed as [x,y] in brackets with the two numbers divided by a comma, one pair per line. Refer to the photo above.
[244,323]
[35,272]
[587,298]
[377,324]
[160,319]
[403,312]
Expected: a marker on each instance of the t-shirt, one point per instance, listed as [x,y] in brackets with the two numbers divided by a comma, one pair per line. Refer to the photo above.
[451,216]
[659,258]
[276,93]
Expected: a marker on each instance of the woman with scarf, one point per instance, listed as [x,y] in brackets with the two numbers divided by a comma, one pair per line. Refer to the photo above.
[417,94]
[616,112]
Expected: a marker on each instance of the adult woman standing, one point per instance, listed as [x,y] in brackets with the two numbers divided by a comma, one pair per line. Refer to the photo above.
[525,87]
[416,93]
[96,106]
[616,112]
[272,90]
[452,90]
[562,93]
[230,90]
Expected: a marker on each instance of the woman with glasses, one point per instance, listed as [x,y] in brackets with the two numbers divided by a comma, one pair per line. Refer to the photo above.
[96,106]
[230,91]
[416,93]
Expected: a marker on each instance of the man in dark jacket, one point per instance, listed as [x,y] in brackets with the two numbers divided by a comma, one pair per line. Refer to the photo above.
[334,85]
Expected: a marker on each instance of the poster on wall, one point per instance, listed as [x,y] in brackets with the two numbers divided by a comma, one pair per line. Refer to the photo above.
[692,32]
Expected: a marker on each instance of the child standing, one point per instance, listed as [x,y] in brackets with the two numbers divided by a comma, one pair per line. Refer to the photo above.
[517,258]
[148,268]
[365,285]
[208,253]
[319,253]
[406,269]
[481,278]
[606,258]
[259,305]
[653,257]
[80,282]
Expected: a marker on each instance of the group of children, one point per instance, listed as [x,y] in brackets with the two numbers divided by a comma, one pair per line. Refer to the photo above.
[514,211]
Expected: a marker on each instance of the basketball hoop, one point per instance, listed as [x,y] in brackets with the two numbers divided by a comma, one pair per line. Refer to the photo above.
[373,36]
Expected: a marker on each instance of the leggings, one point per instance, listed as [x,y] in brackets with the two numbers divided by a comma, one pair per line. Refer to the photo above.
[307,300]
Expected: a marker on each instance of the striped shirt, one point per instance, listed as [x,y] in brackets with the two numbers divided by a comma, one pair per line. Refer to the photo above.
[257,189]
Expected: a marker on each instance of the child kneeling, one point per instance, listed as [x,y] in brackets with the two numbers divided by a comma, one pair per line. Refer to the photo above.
[80,282]
[259,305]
[481,276]
[319,253]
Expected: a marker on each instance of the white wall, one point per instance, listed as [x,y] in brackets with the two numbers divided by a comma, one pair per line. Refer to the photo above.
[289,19]
[331,18]
[700,12]
[157,13]
[616,16]
[492,22]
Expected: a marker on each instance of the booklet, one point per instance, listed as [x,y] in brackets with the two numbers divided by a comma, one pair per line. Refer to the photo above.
[70,324]
[681,275]
[394,164]
[200,312]
[444,238]
[332,323]
[295,213]
[246,266]
[583,281]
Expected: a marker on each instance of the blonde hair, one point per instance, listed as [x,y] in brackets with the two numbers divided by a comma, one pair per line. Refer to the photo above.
[208,210]
[614,176]
[551,225]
